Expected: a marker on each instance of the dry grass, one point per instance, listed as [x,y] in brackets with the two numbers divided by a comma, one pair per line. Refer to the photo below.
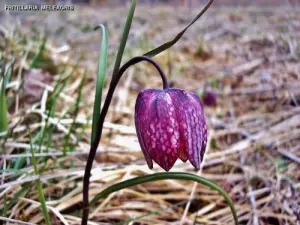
[250,57]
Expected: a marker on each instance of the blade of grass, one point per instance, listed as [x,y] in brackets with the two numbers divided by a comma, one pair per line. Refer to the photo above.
[16,196]
[124,38]
[21,161]
[8,71]
[170,43]
[102,66]
[5,206]
[4,79]
[40,52]
[76,110]
[96,132]
[3,108]
[39,183]
[12,99]
[58,88]
[96,129]
[41,134]
[165,176]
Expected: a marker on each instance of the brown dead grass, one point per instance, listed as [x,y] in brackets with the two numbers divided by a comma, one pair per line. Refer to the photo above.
[250,58]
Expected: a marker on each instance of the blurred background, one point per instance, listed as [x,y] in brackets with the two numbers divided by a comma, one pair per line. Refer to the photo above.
[242,54]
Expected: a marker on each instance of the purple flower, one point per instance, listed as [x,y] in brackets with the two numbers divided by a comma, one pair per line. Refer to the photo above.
[210,98]
[170,124]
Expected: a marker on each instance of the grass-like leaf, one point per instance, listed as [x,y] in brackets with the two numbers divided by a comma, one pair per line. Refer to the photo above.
[24,188]
[170,43]
[165,176]
[124,39]
[40,52]
[96,123]
[39,183]
[3,108]
[76,110]
[102,66]
[4,79]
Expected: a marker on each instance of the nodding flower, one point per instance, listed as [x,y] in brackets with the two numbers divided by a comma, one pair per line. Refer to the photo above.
[170,124]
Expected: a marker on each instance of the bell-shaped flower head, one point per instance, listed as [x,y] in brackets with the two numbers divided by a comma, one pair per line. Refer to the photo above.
[170,124]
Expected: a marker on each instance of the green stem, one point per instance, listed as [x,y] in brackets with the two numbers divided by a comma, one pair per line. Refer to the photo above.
[96,129]
[165,176]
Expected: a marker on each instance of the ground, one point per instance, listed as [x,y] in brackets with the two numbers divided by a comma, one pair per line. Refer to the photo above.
[249,57]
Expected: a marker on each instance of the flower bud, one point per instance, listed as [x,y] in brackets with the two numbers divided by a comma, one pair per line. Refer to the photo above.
[210,99]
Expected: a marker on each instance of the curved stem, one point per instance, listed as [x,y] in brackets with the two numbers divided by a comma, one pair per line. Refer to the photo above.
[138,59]
[95,143]
[165,176]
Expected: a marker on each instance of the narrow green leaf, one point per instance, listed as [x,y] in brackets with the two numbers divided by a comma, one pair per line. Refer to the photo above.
[22,160]
[8,71]
[4,79]
[5,206]
[170,43]
[124,38]
[76,110]
[24,188]
[3,109]
[102,66]
[58,88]
[39,54]
[39,183]
[165,176]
